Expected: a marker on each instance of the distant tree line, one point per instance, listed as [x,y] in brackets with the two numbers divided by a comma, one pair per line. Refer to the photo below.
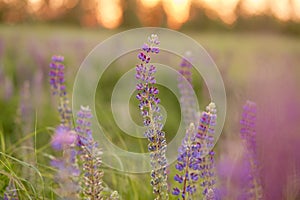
[20,12]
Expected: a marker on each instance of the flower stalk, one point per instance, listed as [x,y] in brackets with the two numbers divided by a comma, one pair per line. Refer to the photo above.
[254,188]
[64,137]
[90,156]
[150,111]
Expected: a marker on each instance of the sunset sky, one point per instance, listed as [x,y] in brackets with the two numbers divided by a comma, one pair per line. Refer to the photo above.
[109,13]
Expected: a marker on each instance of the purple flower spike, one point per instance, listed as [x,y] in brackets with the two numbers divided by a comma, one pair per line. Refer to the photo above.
[187,99]
[57,58]
[186,161]
[207,162]
[57,75]
[57,83]
[148,105]
[253,188]
[64,137]
[195,160]
[90,156]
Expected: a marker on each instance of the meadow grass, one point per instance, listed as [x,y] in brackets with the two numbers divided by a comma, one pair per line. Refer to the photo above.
[25,52]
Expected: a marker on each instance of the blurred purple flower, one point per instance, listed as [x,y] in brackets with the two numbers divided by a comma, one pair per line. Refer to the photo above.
[63,137]
[57,76]
[25,123]
[253,187]
[278,140]
[63,169]
[187,102]
[10,192]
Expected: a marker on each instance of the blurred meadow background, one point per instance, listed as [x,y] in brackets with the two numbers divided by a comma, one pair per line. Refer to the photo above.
[254,43]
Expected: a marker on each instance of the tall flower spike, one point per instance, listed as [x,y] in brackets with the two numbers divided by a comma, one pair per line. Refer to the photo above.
[253,189]
[187,101]
[24,123]
[205,136]
[57,83]
[196,158]
[64,137]
[90,154]
[186,162]
[147,96]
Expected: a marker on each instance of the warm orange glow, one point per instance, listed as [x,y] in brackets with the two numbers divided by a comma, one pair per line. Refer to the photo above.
[224,9]
[255,7]
[281,9]
[178,12]
[34,5]
[71,4]
[149,12]
[109,13]
[9,1]
[296,10]
[227,14]
[56,4]
[149,3]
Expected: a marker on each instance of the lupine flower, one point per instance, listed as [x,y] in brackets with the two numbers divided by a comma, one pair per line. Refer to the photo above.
[253,188]
[187,102]
[64,137]
[188,158]
[205,136]
[57,83]
[8,88]
[24,122]
[187,152]
[10,192]
[25,107]
[90,155]
[67,170]
[147,96]
[83,125]
[196,158]
[66,176]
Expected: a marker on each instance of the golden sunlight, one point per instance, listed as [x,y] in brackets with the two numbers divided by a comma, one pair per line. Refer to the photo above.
[149,3]
[71,4]
[56,4]
[9,1]
[178,12]
[224,9]
[255,7]
[296,10]
[149,12]
[34,5]
[109,13]
[281,9]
